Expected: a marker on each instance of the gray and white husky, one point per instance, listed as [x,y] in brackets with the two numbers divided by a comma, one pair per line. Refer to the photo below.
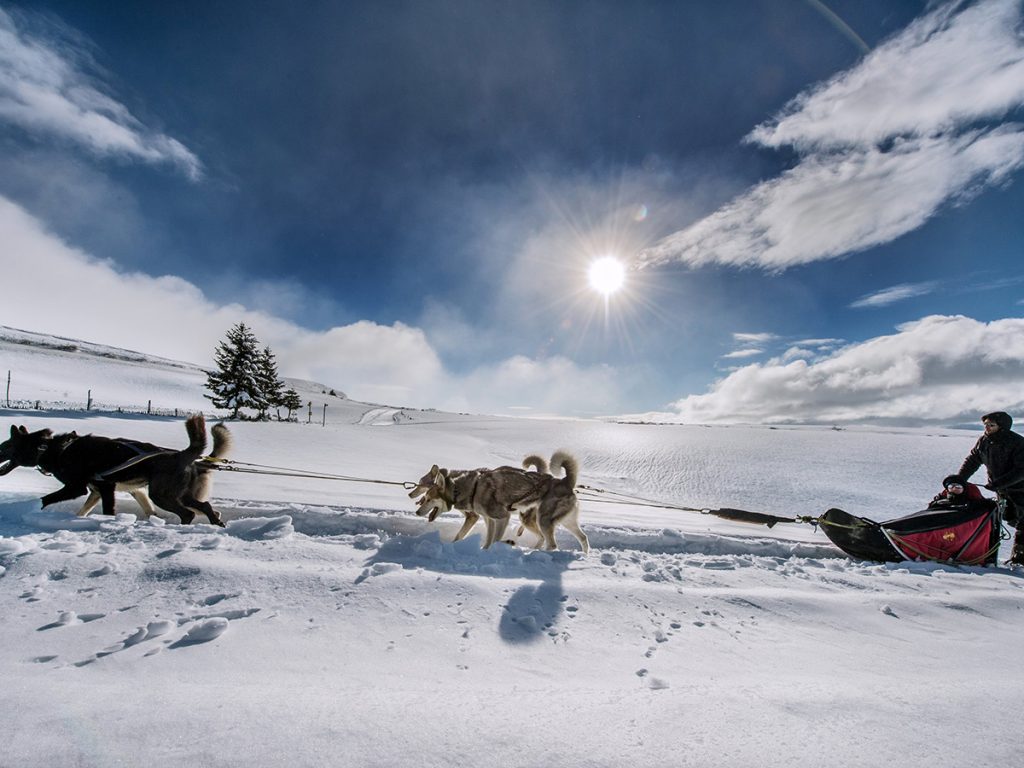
[542,500]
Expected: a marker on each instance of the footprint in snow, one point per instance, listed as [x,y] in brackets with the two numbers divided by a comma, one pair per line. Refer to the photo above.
[203,632]
[70,618]
[214,599]
[150,631]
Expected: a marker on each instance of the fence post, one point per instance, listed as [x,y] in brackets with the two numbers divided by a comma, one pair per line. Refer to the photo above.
[8,389]
[88,401]
[309,416]
[324,422]
[149,407]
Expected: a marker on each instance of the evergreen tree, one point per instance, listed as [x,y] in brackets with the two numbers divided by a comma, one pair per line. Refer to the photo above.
[234,384]
[291,401]
[271,388]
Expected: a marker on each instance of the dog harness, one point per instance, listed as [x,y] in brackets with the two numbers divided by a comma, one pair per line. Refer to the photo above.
[143,455]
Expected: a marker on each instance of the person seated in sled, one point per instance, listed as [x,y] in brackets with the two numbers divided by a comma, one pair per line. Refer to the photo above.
[957,492]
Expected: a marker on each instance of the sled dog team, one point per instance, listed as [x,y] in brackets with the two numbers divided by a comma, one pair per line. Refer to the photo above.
[177,481]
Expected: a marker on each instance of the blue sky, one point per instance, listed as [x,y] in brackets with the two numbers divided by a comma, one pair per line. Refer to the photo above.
[819,203]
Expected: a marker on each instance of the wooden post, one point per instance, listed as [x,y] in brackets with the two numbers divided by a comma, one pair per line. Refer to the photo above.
[324,422]
[149,407]
[309,416]
[8,389]
[88,402]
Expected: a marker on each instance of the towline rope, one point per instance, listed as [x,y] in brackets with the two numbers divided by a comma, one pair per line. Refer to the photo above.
[588,493]
[244,467]
[591,494]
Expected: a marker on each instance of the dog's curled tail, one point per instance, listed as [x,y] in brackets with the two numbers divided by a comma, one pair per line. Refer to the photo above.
[222,444]
[565,460]
[537,462]
[195,425]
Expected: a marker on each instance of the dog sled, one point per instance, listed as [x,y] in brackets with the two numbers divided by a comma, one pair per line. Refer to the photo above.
[962,534]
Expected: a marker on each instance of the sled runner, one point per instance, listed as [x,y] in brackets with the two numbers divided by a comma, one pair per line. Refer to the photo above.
[964,534]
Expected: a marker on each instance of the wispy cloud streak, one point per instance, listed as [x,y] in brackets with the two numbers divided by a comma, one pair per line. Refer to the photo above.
[47,89]
[882,146]
[893,294]
[741,353]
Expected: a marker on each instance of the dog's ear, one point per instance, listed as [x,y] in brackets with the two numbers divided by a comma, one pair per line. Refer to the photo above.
[15,431]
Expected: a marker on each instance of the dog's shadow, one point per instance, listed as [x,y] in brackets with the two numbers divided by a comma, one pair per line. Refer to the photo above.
[533,611]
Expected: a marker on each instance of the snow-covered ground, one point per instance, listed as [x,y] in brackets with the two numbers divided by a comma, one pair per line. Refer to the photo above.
[328,625]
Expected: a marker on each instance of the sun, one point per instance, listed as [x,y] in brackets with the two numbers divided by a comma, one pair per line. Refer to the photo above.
[606,275]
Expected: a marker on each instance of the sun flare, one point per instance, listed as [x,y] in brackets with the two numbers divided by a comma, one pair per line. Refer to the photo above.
[606,275]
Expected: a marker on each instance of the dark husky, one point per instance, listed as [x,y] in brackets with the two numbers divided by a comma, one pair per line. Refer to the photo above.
[102,465]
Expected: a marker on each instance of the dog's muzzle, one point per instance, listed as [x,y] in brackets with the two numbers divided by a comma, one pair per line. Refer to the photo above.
[431,505]
[8,467]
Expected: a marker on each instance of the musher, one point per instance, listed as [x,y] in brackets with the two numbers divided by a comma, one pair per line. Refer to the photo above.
[1002,453]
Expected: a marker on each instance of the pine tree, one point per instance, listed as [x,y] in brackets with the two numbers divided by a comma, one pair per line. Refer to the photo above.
[271,388]
[291,401]
[234,384]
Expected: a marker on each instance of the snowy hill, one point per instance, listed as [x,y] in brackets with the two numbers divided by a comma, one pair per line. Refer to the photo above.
[60,372]
[328,625]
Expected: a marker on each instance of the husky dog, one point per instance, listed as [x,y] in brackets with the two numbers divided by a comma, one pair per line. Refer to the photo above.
[527,518]
[101,465]
[493,494]
[556,501]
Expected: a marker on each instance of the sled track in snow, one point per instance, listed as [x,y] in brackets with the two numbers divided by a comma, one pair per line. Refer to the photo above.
[322,521]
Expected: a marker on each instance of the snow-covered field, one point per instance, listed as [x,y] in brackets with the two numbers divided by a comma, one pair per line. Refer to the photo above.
[328,625]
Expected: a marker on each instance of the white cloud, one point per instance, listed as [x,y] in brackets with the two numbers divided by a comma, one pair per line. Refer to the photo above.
[554,385]
[833,204]
[939,368]
[883,146]
[739,353]
[951,67]
[51,287]
[46,90]
[753,338]
[798,353]
[893,294]
[819,343]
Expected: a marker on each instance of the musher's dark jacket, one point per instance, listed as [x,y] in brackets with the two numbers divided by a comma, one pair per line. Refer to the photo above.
[1003,456]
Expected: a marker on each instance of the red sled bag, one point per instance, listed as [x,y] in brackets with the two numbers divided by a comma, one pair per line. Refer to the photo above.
[961,534]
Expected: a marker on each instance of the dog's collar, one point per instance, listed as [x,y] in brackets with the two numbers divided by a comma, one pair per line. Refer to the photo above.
[52,452]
